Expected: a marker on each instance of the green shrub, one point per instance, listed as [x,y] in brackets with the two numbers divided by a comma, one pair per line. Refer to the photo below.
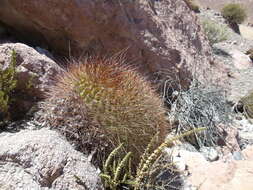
[101,103]
[215,32]
[7,85]
[192,5]
[234,13]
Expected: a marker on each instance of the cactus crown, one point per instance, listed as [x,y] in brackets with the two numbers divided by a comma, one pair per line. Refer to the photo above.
[118,99]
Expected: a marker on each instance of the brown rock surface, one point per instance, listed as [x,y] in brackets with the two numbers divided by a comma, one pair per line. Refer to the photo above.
[157,34]
[232,175]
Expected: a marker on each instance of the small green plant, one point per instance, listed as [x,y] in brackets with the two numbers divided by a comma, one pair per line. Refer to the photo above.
[192,5]
[118,174]
[234,13]
[7,85]
[215,32]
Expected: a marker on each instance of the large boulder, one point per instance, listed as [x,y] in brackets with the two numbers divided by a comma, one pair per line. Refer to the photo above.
[155,35]
[35,73]
[42,159]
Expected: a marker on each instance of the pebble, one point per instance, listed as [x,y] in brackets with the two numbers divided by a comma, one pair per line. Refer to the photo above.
[238,155]
[210,153]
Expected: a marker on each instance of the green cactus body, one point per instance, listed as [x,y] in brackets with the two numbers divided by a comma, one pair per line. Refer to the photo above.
[118,99]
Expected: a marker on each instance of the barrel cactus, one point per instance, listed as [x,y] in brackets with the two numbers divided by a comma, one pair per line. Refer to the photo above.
[101,103]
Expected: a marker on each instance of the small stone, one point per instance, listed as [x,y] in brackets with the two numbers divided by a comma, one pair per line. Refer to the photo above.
[238,155]
[179,163]
[209,153]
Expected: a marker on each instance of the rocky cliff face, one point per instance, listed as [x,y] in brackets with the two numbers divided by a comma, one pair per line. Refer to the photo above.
[155,35]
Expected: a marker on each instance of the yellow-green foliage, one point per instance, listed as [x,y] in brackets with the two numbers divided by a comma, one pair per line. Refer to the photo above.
[248,105]
[7,85]
[192,5]
[215,32]
[234,13]
[123,105]
[117,173]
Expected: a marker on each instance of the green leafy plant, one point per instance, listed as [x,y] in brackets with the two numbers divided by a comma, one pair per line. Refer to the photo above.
[101,103]
[192,5]
[234,13]
[117,173]
[8,83]
[215,32]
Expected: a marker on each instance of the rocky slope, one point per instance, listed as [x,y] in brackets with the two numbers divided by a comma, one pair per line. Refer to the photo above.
[231,54]
[155,35]
[218,5]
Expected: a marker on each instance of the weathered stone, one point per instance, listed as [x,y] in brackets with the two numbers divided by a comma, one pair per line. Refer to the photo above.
[230,175]
[241,60]
[155,35]
[35,71]
[42,159]
[210,153]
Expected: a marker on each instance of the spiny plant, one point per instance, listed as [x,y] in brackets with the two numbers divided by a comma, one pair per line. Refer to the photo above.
[7,85]
[102,103]
[117,173]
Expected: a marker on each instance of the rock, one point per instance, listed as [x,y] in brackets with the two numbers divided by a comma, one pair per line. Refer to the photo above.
[246,31]
[245,132]
[32,67]
[232,175]
[2,31]
[209,153]
[155,35]
[248,152]
[238,69]
[179,163]
[42,159]
[34,74]
[241,60]
[238,155]
[229,141]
